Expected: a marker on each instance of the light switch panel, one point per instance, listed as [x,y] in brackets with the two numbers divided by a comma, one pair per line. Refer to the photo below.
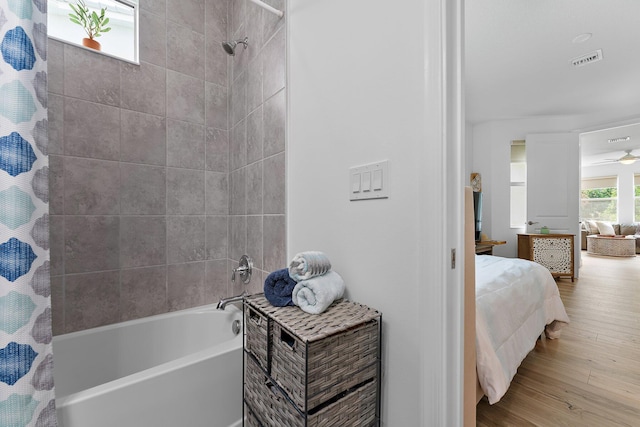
[369,181]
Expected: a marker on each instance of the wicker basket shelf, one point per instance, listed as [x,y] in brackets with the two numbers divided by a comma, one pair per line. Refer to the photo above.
[312,364]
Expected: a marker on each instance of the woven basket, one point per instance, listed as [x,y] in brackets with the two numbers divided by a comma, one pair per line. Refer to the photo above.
[316,357]
[353,408]
[258,333]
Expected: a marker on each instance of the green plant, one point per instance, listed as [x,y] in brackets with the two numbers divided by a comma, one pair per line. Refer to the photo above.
[92,23]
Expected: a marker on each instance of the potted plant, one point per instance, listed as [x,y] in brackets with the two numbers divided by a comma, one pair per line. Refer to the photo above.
[92,23]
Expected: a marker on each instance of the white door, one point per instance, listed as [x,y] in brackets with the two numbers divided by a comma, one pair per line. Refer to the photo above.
[553,185]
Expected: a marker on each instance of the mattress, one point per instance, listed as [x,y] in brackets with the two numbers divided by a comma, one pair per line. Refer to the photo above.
[515,300]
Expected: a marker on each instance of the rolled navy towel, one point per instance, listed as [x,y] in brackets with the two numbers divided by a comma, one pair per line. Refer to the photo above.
[278,287]
[316,294]
[306,265]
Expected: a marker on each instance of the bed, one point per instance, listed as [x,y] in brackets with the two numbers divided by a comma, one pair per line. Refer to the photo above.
[513,302]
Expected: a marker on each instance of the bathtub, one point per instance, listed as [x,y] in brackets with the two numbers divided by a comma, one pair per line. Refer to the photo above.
[177,369]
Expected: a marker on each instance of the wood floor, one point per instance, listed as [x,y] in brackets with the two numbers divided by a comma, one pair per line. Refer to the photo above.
[591,375]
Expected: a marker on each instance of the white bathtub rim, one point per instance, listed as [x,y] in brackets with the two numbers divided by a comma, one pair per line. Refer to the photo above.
[224,347]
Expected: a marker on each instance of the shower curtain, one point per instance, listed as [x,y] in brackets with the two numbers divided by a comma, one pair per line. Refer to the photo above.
[26,381]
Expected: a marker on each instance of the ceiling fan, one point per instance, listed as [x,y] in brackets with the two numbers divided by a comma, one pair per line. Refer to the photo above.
[627,159]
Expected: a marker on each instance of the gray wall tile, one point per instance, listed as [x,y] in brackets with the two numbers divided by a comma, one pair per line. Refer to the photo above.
[237,13]
[274,64]
[215,62]
[56,185]
[189,13]
[254,84]
[143,189]
[238,100]
[255,136]
[55,116]
[57,305]
[143,292]
[254,240]
[185,145]
[153,40]
[91,243]
[142,241]
[185,50]
[159,7]
[56,244]
[271,22]
[143,88]
[91,76]
[217,193]
[253,28]
[274,184]
[238,196]
[91,130]
[217,150]
[237,237]
[254,189]
[143,138]
[274,124]
[186,239]
[217,237]
[274,242]
[185,97]
[185,285]
[238,146]
[216,12]
[82,177]
[215,283]
[92,300]
[185,192]
[216,105]
[55,66]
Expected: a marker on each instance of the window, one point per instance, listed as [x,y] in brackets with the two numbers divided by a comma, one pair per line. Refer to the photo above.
[121,41]
[636,186]
[599,199]
[518,207]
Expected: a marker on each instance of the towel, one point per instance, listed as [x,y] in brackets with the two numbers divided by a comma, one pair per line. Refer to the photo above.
[278,287]
[316,294]
[306,265]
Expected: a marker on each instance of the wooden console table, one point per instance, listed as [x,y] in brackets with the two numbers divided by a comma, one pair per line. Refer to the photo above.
[554,251]
[486,247]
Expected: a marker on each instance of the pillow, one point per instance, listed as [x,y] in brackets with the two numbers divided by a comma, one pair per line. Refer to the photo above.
[605,229]
[592,228]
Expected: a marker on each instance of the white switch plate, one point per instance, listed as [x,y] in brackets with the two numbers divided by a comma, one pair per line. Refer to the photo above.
[374,181]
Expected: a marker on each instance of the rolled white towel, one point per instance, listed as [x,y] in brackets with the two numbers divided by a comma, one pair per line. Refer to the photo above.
[306,265]
[316,294]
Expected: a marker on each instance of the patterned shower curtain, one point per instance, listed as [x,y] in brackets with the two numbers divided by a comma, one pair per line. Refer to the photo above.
[26,361]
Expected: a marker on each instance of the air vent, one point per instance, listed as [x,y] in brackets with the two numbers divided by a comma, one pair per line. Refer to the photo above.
[616,140]
[589,58]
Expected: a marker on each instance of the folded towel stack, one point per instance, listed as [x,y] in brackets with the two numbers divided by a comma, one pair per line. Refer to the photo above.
[278,288]
[308,283]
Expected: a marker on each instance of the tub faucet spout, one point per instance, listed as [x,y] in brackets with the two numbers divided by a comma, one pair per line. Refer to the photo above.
[224,301]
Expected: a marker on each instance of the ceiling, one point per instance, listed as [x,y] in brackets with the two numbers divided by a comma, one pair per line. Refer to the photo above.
[518,64]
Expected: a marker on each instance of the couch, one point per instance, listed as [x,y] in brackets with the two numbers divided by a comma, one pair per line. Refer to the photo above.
[590,227]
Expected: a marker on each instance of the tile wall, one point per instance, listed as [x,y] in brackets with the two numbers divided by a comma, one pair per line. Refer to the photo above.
[163,174]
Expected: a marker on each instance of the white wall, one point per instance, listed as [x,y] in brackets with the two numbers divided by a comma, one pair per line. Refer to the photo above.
[491,158]
[359,93]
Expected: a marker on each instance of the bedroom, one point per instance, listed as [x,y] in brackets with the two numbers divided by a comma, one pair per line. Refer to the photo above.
[554,100]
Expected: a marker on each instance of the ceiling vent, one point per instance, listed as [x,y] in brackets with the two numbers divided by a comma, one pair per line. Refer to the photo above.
[589,58]
[616,140]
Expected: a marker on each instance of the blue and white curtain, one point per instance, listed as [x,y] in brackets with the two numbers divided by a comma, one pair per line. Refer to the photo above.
[26,361]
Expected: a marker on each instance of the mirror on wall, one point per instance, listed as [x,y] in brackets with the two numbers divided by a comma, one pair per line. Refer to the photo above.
[109,27]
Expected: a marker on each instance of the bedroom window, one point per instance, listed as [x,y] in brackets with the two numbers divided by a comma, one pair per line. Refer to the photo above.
[636,186]
[599,199]
[518,203]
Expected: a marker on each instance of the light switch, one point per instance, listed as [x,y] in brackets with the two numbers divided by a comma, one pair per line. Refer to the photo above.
[355,183]
[366,181]
[377,180]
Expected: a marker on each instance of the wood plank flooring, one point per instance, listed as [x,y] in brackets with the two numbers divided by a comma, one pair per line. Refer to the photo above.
[591,375]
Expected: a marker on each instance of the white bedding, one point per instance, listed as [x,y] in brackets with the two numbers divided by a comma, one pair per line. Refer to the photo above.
[515,300]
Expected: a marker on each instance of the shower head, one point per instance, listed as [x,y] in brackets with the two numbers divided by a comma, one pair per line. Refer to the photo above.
[230,47]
